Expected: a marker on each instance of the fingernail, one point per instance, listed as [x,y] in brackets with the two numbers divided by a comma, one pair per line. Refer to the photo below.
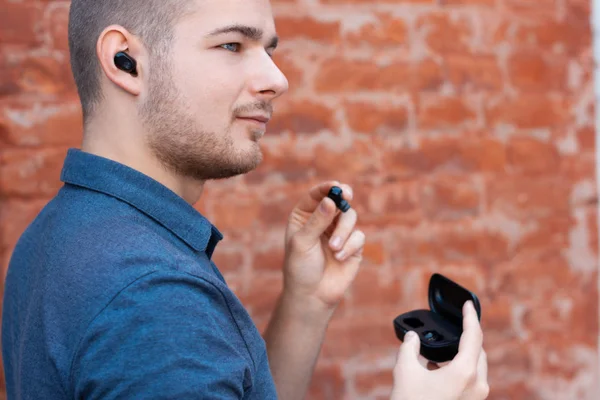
[468,305]
[410,336]
[340,255]
[335,242]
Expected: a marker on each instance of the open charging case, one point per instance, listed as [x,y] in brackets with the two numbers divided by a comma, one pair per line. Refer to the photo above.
[439,328]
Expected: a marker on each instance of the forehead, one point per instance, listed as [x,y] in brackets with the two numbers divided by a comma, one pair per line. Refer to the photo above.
[209,15]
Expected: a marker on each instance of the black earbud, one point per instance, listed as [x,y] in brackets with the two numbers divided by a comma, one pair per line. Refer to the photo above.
[335,194]
[125,62]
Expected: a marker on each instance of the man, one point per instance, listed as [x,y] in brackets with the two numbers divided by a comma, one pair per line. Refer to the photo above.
[112,293]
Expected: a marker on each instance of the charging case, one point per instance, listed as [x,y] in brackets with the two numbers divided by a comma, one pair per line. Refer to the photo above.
[440,327]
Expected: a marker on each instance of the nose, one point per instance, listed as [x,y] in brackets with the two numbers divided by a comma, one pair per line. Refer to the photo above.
[269,82]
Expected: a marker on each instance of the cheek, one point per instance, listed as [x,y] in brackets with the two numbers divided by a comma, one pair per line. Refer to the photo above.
[210,88]
[205,99]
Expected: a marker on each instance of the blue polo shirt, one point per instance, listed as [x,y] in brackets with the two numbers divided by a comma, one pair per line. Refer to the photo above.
[111,293]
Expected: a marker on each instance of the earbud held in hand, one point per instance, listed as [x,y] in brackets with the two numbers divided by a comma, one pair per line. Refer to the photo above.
[335,194]
[441,327]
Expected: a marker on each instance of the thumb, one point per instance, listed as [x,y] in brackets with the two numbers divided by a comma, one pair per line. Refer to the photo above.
[409,351]
[316,225]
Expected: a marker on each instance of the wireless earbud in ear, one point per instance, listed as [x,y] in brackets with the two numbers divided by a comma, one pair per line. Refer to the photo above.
[125,62]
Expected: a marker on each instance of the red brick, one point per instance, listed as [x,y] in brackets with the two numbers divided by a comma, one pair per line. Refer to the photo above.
[302,117]
[282,161]
[269,260]
[586,138]
[368,382]
[515,390]
[373,288]
[529,111]
[42,123]
[532,8]
[485,154]
[8,74]
[278,204]
[527,197]
[496,314]
[430,155]
[572,34]
[449,154]
[375,331]
[44,75]
[31,172]
[228,260]
[18,22]
[234,213]
[550,231]
[357,2]
[345,75]
[592,224]
[374,253]
[345,165]
[474,72]
[451,197]
[577,167]
[444,112]
[262,294]
[573,305]
[468,2]
[457,242]
[531,71]
[445,32]
[385,31]
[327,382]
[532,155]
[388,204]
[56,23]
[307,28]
[370,118]
[15,216]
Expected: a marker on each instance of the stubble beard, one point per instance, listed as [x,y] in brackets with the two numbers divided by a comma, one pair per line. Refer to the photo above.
[181,146]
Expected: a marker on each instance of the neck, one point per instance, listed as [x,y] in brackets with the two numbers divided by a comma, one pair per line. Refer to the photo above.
[124,144]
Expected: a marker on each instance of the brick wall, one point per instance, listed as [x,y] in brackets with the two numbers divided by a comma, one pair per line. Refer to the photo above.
[467,130]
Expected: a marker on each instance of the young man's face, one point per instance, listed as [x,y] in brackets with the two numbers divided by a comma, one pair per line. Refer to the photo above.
[205,104]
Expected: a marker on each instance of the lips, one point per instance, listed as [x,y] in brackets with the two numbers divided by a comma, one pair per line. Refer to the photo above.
[258,118]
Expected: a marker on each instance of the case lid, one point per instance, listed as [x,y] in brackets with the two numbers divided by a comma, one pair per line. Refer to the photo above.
[447,298]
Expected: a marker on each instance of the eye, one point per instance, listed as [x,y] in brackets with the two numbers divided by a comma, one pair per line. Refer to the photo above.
[231,46]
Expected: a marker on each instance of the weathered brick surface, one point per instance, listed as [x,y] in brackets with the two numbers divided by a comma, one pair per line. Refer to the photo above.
[466,128]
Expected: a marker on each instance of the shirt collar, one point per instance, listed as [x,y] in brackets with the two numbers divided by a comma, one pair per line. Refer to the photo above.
[144,193]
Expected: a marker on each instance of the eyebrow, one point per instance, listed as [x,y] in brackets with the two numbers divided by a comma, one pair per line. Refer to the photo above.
[250,32]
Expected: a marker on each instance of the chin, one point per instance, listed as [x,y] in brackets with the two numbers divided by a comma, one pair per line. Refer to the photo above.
[231,165]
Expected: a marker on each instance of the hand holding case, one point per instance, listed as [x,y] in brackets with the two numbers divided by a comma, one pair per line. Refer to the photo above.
[439,328]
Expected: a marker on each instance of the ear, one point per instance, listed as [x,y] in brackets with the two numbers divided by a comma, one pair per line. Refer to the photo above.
[112,40]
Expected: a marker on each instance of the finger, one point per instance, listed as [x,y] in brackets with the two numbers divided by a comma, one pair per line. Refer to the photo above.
[309,234]
[482,375]
[345,224]
[354,246]
[482,367]
[471,341]
[408,354]
[310,202]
